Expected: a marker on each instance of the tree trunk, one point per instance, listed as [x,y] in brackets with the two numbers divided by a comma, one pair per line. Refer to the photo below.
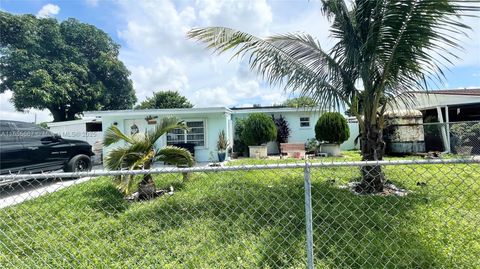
[58,114]
[146,187]
[373,149]
[71,115]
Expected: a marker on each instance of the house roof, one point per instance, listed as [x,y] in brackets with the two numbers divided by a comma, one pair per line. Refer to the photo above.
[73,122]
[470,92]
[175,111]
[273,109]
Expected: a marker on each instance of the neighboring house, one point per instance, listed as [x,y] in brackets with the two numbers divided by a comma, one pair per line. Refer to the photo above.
[206,123]
[85,129]
[446,107]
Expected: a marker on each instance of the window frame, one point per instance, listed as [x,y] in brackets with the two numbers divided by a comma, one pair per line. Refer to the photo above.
[302,121]
[185,140]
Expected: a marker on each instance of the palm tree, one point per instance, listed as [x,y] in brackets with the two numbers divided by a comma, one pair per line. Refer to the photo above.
[139,152]
[384,50]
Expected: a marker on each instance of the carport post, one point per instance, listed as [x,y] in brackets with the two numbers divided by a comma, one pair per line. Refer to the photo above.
[308,215]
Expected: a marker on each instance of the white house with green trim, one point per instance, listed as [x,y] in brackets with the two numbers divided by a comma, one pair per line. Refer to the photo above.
[206,123]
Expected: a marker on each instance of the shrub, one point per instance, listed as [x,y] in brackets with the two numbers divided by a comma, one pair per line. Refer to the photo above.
[332,127]
[238,145]
[283,130]
[222,143]
[466,134]
[259,129]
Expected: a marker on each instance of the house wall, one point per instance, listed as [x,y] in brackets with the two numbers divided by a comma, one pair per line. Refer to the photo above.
[77,130]
[300,134]
[214,123]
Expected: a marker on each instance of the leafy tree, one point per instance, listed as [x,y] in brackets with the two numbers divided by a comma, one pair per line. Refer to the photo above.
[165,99]
[258,129]
[302,101]
[389,47]
[140,153]
[332,127]
[66,67]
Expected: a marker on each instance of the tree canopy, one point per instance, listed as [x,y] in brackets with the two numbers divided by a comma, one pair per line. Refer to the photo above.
[302,101]
[66,67]
[165,99]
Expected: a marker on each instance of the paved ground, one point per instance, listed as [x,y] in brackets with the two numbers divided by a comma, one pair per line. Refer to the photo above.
[21,191]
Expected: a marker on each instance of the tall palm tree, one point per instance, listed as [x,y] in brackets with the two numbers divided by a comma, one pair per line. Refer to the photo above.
[139,152]
[384,50]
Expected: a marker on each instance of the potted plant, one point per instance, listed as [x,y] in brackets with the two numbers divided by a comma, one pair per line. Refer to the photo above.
[331,130]
[151,119]
[222,146]
[258,130]
[312,146]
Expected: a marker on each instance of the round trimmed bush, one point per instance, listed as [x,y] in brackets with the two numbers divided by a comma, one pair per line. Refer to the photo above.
[332,127]
[258,129]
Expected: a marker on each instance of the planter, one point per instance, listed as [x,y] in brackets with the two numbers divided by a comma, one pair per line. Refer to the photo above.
[221,156]
[330,149]
[258,152]
[464,150]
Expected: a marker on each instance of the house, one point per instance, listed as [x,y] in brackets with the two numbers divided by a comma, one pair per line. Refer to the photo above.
[206,123]
[441,109]
[88,129]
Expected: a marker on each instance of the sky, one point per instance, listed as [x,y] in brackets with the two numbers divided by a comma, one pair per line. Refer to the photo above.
[155,49]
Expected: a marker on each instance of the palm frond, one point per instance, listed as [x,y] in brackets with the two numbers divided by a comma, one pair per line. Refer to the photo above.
[114,135]
[282,60]
[175,155]
[167,124]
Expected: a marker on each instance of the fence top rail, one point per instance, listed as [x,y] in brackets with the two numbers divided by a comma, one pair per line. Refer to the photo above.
[167,170]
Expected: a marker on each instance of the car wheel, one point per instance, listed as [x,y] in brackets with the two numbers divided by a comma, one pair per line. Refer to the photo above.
[79,163]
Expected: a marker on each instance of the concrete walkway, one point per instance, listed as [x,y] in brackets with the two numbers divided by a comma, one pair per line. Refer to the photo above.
[20,192]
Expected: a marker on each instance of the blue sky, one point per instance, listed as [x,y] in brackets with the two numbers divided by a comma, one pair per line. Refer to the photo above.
[155,50]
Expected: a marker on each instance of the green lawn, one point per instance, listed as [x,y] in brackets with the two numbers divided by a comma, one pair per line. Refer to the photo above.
[253,219]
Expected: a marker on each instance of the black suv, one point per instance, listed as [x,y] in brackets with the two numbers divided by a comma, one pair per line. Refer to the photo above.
[25,147]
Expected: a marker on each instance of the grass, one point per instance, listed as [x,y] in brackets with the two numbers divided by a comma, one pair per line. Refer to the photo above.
[253,219]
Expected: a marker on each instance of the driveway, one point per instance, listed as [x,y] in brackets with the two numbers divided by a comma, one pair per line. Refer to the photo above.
[21,191]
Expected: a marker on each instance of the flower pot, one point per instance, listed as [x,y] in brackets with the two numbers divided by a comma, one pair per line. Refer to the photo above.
[221,156]
[330,149]
[258,152]
[464,150]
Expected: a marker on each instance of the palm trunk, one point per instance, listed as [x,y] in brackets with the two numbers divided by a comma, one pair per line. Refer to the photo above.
[146,187]
[373,149]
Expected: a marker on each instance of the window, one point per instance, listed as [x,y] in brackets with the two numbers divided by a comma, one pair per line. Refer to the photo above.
[196,134]
[304,121]
[93,126]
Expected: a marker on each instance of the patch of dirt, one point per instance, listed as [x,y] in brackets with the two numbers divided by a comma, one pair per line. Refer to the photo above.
[389,189]
[136,196]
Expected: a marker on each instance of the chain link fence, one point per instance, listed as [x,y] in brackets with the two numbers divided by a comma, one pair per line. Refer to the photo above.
[299,215]
[462,138]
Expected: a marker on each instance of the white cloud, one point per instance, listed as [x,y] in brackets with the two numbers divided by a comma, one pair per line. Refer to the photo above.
[7,111]
[48,10]
[92,3]
[160,56]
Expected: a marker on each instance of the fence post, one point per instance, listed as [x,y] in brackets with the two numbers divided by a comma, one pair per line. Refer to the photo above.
[308,215]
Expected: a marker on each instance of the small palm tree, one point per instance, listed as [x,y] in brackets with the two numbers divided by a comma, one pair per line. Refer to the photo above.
[140,153]
[384,50]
